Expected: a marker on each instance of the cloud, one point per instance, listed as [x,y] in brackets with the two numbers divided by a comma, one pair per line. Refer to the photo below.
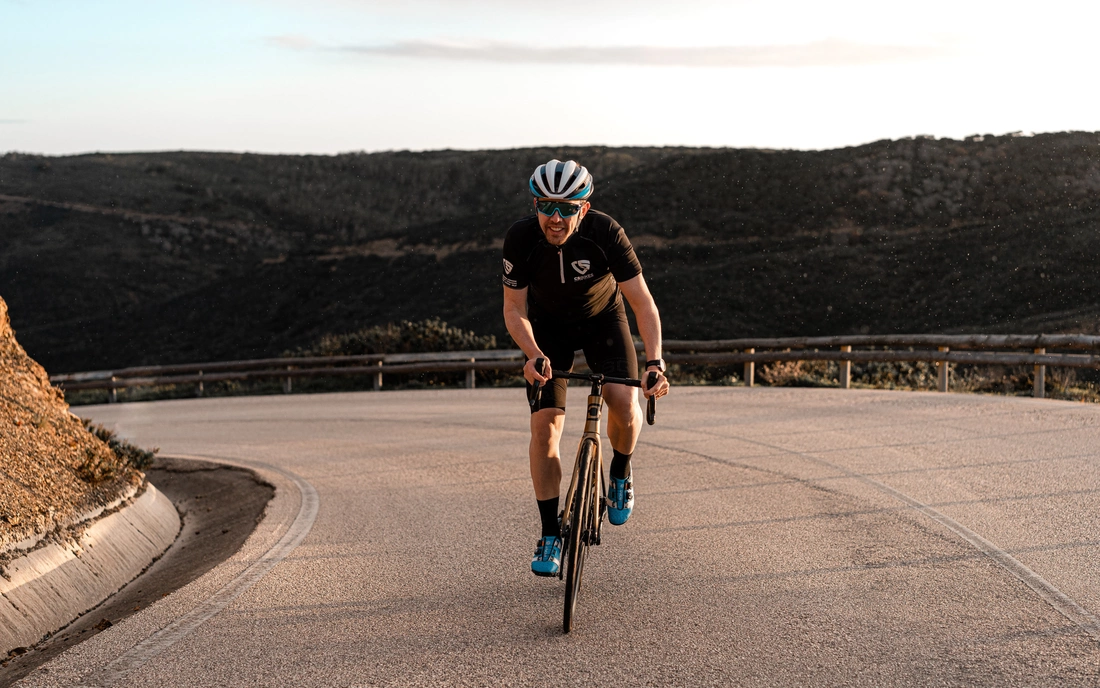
[291,40]
[816,54]
[13,121]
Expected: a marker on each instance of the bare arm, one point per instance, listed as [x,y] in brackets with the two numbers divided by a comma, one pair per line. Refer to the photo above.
[645,313]
[649,327]
[519,326]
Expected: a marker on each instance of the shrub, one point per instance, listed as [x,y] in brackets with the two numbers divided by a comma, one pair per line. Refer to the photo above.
[896,374]
[135,456]
[403,337]
[425,336]
[97,466]
[1062,379]
[799,374]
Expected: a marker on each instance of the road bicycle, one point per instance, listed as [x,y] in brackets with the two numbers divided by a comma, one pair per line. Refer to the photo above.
[586,499]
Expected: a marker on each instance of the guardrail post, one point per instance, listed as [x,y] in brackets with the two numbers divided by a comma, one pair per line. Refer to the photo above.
[112,395]
[470,377]
[846,370]
[943,370]
[199,387]
[378,378]
[1039,389]
[288,385]
[750,370]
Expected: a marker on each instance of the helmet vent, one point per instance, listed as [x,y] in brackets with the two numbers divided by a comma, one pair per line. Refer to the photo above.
[561,181]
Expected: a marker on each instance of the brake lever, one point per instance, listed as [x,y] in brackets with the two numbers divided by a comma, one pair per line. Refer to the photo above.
[651,407]
[536,392]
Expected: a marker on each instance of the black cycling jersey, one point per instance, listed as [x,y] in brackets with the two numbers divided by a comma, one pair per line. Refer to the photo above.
[577,280]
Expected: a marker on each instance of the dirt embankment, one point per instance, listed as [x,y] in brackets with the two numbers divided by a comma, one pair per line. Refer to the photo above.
[52,470]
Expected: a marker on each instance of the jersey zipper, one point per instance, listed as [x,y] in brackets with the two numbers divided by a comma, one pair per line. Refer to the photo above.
[561,265]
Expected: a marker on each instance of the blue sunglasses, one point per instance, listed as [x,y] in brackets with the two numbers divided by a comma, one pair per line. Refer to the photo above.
[563,208]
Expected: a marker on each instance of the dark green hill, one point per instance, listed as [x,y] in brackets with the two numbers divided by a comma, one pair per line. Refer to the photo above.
[110,260]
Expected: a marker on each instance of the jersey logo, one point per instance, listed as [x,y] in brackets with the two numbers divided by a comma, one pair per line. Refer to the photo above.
[507,267]
[581,266]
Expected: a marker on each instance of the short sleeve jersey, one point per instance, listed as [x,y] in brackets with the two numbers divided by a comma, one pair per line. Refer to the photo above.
[574,281]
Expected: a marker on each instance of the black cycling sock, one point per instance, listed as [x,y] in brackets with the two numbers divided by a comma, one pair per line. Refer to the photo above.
[548,512]
[620,464]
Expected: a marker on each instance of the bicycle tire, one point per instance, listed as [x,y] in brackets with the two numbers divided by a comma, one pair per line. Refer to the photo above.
[577,545]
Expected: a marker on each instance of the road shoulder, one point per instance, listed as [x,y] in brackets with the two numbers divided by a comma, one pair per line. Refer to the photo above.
[220,507]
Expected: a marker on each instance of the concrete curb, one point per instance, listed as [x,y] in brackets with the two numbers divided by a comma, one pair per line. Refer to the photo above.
[54,526]
[47,588]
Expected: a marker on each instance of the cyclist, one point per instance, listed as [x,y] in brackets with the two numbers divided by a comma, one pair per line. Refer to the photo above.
[566,269]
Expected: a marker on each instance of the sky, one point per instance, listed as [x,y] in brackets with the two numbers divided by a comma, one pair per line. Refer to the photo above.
[331,76]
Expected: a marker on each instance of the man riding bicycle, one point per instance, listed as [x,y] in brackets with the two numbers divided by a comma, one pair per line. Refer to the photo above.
[566,269]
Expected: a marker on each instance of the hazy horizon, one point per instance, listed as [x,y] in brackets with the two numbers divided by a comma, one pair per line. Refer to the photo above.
[334,76]
[505,148]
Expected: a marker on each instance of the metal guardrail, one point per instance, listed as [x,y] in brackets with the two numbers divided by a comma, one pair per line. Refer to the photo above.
[967,349]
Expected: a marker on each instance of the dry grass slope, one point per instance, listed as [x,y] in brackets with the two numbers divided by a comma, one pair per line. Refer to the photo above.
[51,468]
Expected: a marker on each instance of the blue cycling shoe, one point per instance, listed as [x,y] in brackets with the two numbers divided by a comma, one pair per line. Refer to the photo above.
[547,561]
[620,499]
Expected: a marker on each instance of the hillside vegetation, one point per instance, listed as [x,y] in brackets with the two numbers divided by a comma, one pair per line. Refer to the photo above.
[112,260]
[52,470]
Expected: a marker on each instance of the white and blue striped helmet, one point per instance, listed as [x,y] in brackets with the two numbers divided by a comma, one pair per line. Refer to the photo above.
[561,181]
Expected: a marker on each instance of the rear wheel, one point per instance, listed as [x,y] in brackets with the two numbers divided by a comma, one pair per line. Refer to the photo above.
[576,545]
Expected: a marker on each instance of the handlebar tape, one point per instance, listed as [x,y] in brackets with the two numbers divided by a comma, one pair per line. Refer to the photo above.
[536,391]
[651,407]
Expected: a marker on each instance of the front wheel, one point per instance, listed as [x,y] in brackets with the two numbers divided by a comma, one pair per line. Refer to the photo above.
[576,545]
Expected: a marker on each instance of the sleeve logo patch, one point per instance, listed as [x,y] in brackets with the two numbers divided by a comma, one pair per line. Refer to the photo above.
[507,267]
[581,266]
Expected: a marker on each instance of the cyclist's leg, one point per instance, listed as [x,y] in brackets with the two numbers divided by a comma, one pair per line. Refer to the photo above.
[545,452]
[546,428]
[609,349]
[547,423]
[624,417]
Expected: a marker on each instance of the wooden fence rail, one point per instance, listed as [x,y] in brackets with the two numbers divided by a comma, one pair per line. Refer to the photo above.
[749,352]
[954,341]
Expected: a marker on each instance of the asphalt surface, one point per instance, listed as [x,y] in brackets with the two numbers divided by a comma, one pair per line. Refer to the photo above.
[780,537]
[219,508]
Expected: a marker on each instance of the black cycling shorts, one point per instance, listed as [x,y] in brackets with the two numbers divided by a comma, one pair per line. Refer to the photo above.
[605,340]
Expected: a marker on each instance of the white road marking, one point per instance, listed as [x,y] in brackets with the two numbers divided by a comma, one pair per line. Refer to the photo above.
[1062,603]
[161,640]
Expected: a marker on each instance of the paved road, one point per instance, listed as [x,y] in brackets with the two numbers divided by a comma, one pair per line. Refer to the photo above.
[781,537]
